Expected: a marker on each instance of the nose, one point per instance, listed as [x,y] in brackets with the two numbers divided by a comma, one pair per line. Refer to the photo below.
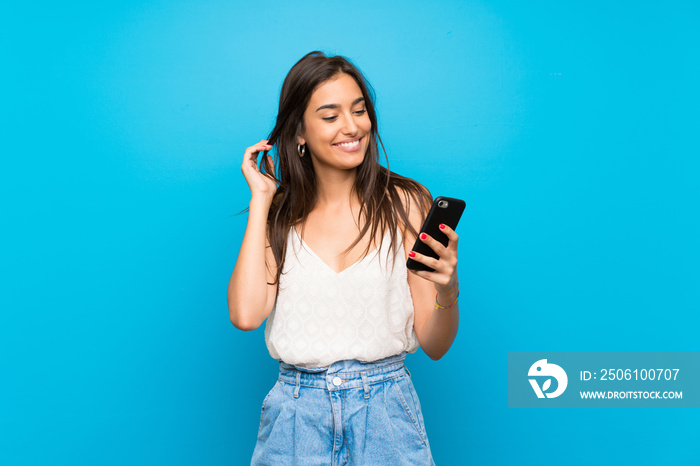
[349,125]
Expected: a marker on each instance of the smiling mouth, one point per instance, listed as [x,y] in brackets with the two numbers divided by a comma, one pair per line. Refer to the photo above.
[349,146]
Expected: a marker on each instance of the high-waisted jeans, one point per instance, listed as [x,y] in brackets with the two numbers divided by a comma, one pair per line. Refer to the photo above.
[348,413]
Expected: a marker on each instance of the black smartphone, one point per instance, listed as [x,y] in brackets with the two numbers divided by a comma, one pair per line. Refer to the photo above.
[445,210]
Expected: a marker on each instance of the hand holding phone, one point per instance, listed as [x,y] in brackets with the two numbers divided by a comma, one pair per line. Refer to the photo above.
[445,210]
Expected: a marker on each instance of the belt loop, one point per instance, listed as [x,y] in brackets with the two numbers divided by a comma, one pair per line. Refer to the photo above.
[407,371]
[365,384]
[298,383]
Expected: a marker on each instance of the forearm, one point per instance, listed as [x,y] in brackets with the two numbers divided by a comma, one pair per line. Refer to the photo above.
[247,289]
[441,327]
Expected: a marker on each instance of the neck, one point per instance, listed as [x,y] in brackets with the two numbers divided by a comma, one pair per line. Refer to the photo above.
[334,188]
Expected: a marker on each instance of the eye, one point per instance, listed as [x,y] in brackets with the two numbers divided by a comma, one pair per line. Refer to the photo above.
[361,112]
[331,118]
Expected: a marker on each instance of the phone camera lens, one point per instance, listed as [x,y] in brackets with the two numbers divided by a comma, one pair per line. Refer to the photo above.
[442,204]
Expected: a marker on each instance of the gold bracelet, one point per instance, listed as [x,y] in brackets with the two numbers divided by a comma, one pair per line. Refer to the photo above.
[437,306]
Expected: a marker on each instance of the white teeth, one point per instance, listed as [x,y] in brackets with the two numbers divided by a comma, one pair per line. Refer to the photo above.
[349,144]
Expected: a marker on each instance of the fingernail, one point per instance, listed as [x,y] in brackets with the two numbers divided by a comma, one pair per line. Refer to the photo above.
[411,254]
[423,236]
[442,226]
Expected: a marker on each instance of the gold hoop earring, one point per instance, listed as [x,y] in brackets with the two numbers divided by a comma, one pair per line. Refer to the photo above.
[301,150]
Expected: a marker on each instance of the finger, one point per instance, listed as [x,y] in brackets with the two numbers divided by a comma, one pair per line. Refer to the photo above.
[434,244]
[251,153]
[254,150]
[450,233]
[260,146]
[425,260]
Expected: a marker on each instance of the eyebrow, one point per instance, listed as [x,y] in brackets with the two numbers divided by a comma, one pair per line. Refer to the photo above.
[354,102]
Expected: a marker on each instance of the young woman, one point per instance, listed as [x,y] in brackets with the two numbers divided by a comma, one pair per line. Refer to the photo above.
[323,259]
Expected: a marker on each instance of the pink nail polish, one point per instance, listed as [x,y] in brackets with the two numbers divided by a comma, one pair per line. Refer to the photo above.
[411,254]
[423,236]
[442,226]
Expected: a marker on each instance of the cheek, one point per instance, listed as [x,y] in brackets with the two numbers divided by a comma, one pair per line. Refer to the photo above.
[367,124]
[312,133]
[320,136]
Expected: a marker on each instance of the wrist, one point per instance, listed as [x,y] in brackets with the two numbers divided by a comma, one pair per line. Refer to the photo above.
[260,201]
[446,298]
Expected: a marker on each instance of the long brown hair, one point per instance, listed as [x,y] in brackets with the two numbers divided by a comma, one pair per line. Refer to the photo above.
[385,197]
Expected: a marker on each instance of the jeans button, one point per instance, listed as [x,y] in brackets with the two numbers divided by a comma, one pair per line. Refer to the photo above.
[337,381]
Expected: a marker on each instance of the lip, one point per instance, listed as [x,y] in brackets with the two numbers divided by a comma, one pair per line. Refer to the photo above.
[348,149]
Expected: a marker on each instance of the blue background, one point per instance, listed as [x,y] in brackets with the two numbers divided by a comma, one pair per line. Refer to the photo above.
[569,129]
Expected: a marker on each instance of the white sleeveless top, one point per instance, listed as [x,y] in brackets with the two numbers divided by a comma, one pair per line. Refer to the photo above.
[365,312]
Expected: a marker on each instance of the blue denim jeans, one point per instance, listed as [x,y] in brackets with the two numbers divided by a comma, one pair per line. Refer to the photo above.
[350,413]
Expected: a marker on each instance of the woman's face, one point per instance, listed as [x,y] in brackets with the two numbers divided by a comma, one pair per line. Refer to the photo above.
[336,125]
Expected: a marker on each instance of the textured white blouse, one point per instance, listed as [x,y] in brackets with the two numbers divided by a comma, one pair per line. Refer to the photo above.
[364,312]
